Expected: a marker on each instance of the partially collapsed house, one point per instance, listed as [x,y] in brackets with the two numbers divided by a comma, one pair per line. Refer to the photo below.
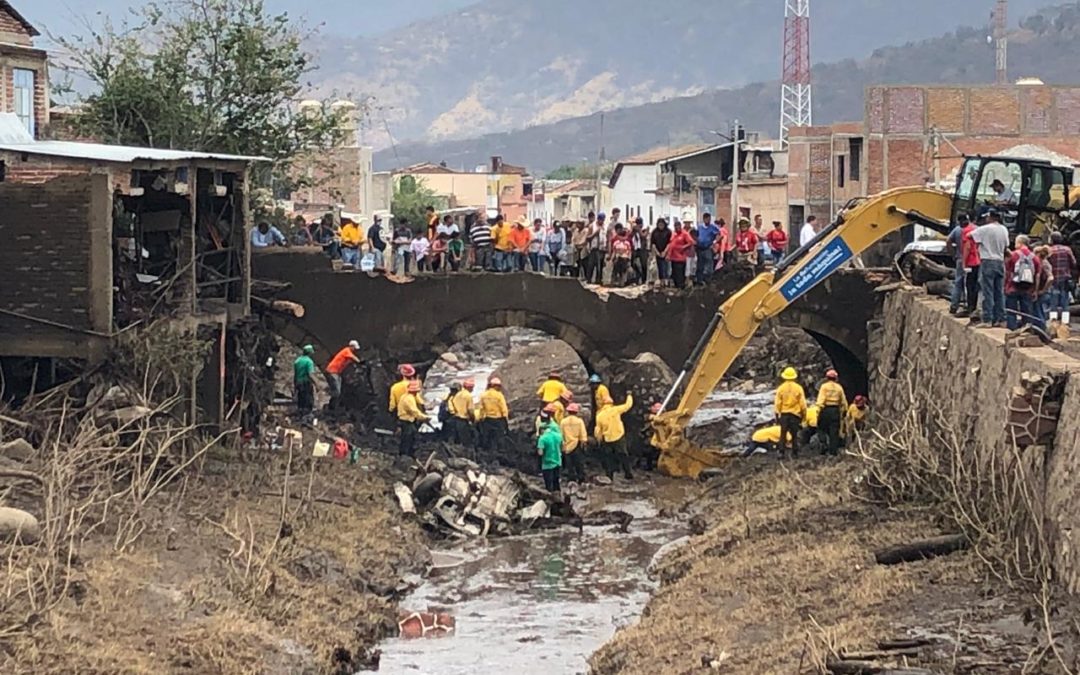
[99,237]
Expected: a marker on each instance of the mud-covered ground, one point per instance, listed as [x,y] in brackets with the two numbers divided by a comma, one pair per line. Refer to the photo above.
[229,576]
[782,578]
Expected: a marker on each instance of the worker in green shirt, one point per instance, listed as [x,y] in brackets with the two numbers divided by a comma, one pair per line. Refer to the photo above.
[303,369]
[549,447]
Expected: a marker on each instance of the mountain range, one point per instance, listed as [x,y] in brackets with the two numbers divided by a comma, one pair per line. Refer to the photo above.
[498,65]
[1043,45]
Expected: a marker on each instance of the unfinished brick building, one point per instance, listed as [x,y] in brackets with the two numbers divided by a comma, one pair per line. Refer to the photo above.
[916,135]
[24,72]
[98,238]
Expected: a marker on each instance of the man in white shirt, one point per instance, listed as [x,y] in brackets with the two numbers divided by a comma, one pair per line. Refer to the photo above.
[1005,196]
[808,232]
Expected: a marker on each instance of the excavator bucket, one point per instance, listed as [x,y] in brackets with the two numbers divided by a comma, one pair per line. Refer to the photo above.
[679,458]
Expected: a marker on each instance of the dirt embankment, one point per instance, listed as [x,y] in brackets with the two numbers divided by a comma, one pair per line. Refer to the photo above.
[782,579]
[217,572]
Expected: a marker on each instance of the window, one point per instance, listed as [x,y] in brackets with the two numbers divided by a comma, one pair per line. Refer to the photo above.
[23,81]
[841,170]
[855,152]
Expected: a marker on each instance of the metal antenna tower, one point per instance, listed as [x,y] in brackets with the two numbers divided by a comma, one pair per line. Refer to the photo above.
[796,106]
[1001,41]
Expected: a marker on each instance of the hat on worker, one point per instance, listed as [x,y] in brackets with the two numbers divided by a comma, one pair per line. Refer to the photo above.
[861,401]
[554,375]
[308,349]
[573,408]
[550,409]
[789,374]
[601,216]
[831,374]
[495,382]
[595,379]
[414,387]
[353,344]
[407,370]
[469,384]
[522,221]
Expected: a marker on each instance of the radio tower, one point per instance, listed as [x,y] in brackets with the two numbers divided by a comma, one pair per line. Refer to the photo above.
[796,109]
[1001,41]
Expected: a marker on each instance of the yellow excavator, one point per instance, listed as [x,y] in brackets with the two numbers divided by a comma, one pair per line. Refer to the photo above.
[1039,197]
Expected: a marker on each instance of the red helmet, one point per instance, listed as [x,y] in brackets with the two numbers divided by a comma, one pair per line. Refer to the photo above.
[567,395]
[573,408]
[469,384]
[831,374]
[656,408]
[414,387]
[553,375]
[550,409]
[407,370]
[495,382]
[861,401]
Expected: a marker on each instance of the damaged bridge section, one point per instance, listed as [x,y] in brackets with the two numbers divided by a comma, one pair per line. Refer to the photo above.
[419,320]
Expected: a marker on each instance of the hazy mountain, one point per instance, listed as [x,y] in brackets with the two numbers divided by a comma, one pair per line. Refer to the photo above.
[1044,46]
[504,64]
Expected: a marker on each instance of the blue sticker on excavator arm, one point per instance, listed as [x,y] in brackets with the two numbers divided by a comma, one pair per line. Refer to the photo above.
[814,271]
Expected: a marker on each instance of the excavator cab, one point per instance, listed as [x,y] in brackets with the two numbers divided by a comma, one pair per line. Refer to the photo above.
[1030,194]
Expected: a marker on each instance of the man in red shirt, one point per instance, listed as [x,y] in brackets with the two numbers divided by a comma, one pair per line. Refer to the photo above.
[778,241]
[969,257]
[1022,270]
[678,252]
[746,241]
[337,366]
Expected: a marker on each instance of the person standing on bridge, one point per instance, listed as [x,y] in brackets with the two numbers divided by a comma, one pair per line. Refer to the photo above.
[832,407]
[480,235]
[611,434]
[352,238]
[777,240]
[707,232]
[494,417]
[303,384]
[1022,272]
[598,246]
[658,242]
[678,252]
[790,407]
[520,238]
[1063,265]
[341,361]
[410,416]
[504,248]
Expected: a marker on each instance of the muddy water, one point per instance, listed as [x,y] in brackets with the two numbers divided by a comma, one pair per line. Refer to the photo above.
[539,603]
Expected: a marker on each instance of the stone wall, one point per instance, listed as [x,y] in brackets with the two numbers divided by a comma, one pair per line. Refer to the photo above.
[971,373]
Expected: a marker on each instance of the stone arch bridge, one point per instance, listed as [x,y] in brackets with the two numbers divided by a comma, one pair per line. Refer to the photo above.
[421,319]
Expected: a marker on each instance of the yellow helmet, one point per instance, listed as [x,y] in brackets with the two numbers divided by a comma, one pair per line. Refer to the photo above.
[789,374]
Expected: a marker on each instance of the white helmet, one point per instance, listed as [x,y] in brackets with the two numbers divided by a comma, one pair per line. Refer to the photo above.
[353,344]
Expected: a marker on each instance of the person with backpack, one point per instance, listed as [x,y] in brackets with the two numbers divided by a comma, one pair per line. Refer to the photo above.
[1022,271]
[991,238]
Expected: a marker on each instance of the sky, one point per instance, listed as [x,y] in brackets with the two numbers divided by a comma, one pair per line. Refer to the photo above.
[341,17]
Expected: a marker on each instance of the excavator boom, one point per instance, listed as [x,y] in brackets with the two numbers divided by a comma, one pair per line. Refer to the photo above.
[857,228]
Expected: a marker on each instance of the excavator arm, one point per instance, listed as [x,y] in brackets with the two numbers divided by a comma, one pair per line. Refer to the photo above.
[856,229]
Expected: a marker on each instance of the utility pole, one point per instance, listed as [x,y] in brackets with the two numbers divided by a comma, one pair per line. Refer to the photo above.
[796,105]
[736,136]
[599,168]
[1001,41]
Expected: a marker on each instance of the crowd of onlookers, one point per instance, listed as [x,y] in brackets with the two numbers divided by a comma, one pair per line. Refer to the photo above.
[599,248]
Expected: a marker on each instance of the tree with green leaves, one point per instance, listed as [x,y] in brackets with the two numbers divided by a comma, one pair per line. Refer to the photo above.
[208,75]
[575,171]
[411,199]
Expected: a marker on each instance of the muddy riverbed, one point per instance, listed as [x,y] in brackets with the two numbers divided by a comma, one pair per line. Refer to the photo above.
[538,603]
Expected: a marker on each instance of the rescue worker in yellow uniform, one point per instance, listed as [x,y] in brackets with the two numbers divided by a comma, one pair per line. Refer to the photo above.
[599,391]
[575,438]
[856,416]
[833,408]
[766,438]
[551,389]
[410,416]
[611,435]
[461,409]
[494,422]
[809,436]
[789,405]
[401,387]
[558,410]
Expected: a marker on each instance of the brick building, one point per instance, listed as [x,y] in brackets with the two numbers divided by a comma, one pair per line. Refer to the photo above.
[100,237]
[24,72]
[916,135]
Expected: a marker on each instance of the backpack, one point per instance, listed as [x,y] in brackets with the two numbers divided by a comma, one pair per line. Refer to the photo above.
[444,410]
[1024,271]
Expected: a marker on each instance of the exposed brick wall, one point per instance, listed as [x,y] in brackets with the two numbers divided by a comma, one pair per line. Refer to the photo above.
[906,163]
[45,259]
[875,166]
[1036,106]
[906,110]
[820,172]
[1067,104]
[875,110]
[12,30]
[798,168]
[995,111]
[29,60]
[947,109]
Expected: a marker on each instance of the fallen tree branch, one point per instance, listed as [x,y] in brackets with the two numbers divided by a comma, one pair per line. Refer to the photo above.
[22,475]
[922,550]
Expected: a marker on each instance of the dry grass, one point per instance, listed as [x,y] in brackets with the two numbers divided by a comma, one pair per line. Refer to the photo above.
[165,550]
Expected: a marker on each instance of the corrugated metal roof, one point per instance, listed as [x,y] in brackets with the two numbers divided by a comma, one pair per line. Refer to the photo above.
[663,154]
[13,141]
